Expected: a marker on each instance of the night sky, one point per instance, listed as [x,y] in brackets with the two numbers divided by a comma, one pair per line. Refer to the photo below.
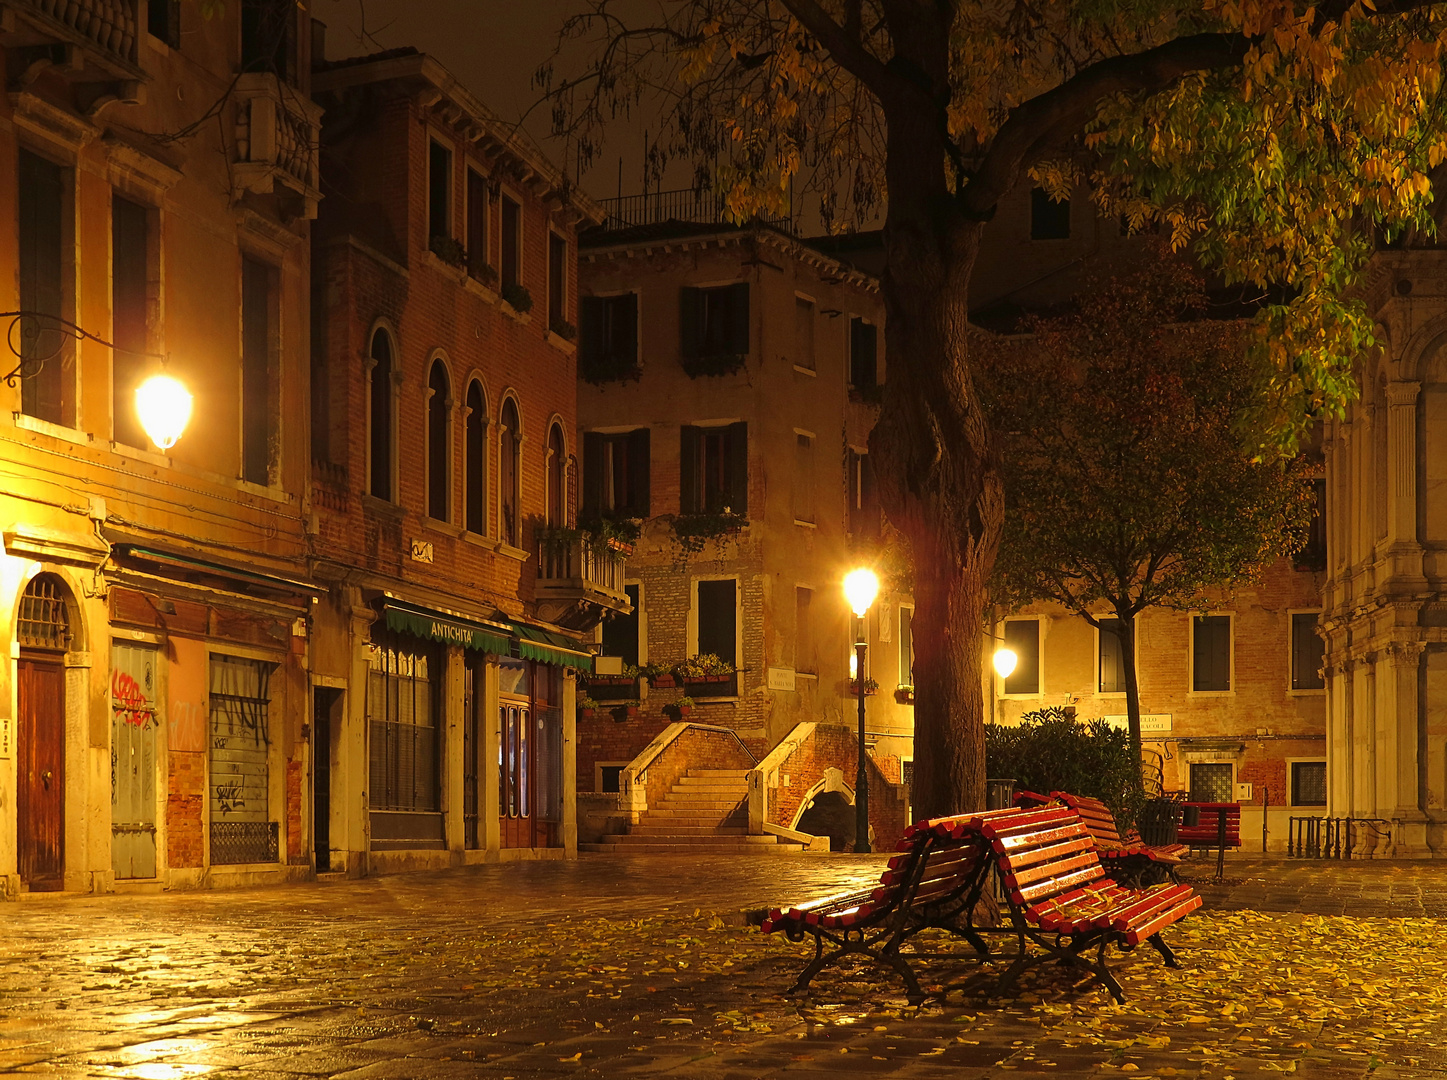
[493,47]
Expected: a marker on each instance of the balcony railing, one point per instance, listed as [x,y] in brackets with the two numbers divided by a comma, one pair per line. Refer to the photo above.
[103,27]
[577,560]
[680,204]
[276,139]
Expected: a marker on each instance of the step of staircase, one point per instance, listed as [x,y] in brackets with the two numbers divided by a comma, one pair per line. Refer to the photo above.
[684,847]
[703,813]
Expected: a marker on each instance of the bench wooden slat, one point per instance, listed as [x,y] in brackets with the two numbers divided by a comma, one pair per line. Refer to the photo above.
[1136,934]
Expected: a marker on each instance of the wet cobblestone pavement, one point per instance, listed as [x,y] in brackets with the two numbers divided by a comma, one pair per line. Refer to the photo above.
[621,967]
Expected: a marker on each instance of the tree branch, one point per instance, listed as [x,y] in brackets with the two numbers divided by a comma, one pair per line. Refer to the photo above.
[1066,109]
[847,50]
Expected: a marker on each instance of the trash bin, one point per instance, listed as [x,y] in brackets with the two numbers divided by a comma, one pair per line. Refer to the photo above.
[1159,820]
[999,794]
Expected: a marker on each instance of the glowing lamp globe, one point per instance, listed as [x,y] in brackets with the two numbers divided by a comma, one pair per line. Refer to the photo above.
[164,405]
[860,588]
[1005,661]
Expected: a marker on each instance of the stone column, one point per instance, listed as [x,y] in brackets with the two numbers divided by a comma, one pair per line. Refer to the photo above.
[454,824]
[570,764]
[352,825]
[1364,737]
[1340,759]
[1405,807]
[489,831]
[1401,480]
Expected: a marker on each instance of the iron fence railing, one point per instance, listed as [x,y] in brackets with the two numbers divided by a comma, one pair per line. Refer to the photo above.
[1335,837]
[234,842]
[678,204]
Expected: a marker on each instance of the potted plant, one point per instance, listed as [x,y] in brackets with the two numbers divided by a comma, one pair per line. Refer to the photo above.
[483,273]
[708,675]
[626,710]
[904,694]
[630,675]
[587,707]
[658,676]
[680,709]
[870,687]
[449,250]
[563,328]
[518,296]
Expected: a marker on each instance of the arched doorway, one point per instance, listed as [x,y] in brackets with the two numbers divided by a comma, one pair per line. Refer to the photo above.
[43,631]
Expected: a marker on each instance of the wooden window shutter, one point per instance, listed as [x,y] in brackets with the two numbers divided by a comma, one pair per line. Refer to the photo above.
[738,450]
[638,450]
[688,485]
[591,345]
[625,329]
[592,473]
[739,318]
[688,321]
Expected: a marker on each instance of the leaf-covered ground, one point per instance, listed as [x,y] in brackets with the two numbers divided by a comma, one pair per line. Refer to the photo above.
[448,979]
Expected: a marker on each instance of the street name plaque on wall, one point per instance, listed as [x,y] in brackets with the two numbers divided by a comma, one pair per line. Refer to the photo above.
[422,551]
[7,736]
[1151,723]
[781,678]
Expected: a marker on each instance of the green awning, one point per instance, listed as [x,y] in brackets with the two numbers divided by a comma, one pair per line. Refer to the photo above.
[535,643]
[450,629]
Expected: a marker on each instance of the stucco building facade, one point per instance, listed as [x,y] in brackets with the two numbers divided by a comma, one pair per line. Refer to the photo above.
[151,729]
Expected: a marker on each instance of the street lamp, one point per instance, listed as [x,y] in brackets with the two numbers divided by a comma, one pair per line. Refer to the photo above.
[1005,661]
[164,405]
[860,588]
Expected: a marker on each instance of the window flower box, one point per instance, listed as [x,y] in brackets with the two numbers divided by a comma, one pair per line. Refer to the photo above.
[870,687]
[904,695]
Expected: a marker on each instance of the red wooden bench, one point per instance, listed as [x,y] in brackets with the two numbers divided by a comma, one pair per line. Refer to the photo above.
[932,883]
[1218,826]
[1128,859]
[1061,900]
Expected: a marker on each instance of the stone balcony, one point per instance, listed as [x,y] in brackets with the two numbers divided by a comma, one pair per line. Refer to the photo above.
[579,582]
[91,43]
[277,130]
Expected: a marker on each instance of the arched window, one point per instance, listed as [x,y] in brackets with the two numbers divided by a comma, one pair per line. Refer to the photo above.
[44,619]
[557,478]
[439,427]
[509,452]
[475,460]
[379,394]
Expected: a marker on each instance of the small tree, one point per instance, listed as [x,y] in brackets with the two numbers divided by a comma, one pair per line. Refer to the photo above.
[1124,445]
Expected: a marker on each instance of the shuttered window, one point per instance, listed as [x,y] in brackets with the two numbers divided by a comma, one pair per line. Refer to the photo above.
[714,324]
[1210,653]
[615,474]
[864,515]
[863,355]
[714,469]
[621,632]
[1112,658]
[402,700]
[1307,649]
[47,389]
[608,337]
[242,830]
[1023,637]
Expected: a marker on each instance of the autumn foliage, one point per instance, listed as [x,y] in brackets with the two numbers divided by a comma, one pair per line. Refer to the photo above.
[1127,444]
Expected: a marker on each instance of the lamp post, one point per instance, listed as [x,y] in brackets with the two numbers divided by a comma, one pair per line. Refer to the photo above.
[861,587]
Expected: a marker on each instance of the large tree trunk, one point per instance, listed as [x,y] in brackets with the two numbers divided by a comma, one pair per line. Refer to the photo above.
[937,475]
[1132,684]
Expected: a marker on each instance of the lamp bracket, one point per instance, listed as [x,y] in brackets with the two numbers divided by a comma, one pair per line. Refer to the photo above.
[24,335]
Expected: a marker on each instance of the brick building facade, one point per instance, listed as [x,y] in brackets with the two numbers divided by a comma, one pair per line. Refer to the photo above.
[734,371]
[444,478]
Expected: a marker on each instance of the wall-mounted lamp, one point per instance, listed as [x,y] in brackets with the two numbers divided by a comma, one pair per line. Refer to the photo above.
[162,402]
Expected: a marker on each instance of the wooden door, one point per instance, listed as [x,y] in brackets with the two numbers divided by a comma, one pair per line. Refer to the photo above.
[135,727]
[515,775]
[40,751]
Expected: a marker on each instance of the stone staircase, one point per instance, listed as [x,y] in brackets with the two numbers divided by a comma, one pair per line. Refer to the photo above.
[706,813]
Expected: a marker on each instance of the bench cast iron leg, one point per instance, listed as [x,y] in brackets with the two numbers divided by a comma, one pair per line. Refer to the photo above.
[814,967]
[1165,950]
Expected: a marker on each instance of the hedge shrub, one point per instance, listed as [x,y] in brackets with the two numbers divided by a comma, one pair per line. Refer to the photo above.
[1052,751]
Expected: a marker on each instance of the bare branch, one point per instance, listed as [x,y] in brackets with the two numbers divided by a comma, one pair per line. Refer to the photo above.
[846,48]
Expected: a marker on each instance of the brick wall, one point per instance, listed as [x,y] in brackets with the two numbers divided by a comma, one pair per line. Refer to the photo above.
[435,312]
[295,853]
[693,749]
[837,747]
[187,789]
